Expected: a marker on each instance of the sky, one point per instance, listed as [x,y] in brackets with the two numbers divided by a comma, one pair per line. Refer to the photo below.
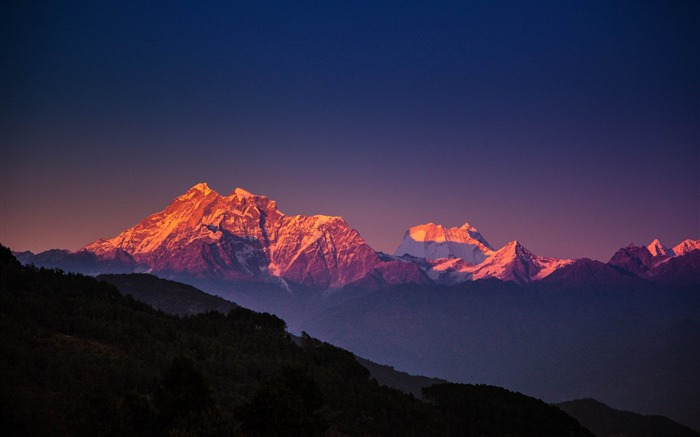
[570,126]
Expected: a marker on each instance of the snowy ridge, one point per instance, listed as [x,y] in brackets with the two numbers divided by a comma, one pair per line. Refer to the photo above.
[433,242]
[686,246]
[656,248]
[513,262]
[455,255]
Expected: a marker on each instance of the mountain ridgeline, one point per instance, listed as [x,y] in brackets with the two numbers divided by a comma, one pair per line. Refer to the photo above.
[244,237]
[238,237]
[79,358]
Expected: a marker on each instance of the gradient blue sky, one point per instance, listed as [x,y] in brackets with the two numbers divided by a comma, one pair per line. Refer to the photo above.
[572,126]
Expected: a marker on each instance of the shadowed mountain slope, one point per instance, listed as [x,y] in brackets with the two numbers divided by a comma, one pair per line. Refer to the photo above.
[168,296]
[604,421]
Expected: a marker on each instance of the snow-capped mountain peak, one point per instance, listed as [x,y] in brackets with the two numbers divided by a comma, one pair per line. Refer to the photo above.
[686,246]
[200,189]
[432,242]
[514,262]
[656,248]
[454,255]
[474,233]
[514,248]
[241,193]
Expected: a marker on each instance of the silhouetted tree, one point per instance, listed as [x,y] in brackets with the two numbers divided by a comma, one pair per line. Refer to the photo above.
[183,396]
[287,405]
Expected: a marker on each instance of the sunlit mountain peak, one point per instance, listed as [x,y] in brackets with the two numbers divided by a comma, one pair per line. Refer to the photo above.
[240,192]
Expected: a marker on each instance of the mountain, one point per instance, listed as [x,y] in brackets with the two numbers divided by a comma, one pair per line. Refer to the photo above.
[81,261]
[593,274]
[634,259]
[432,242]
[454,255]
[681,270]
[660,264]
[451,256]
[513,262]
[604,421]
[242,236]
[657,249]
[686,246]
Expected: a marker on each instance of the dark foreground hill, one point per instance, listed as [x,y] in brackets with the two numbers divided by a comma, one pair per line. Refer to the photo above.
[78,358]
[168,296]
[604,421]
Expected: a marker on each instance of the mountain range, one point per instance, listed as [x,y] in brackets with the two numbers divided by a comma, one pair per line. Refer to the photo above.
[244,237]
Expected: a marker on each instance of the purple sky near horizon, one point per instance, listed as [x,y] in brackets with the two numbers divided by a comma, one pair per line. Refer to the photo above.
[571,126]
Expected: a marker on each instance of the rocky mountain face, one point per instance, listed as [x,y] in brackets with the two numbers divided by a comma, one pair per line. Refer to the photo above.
[658,263]
[245,236]
[685,246]
[657,249]
[432,242]
[682,270]
[513,262]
